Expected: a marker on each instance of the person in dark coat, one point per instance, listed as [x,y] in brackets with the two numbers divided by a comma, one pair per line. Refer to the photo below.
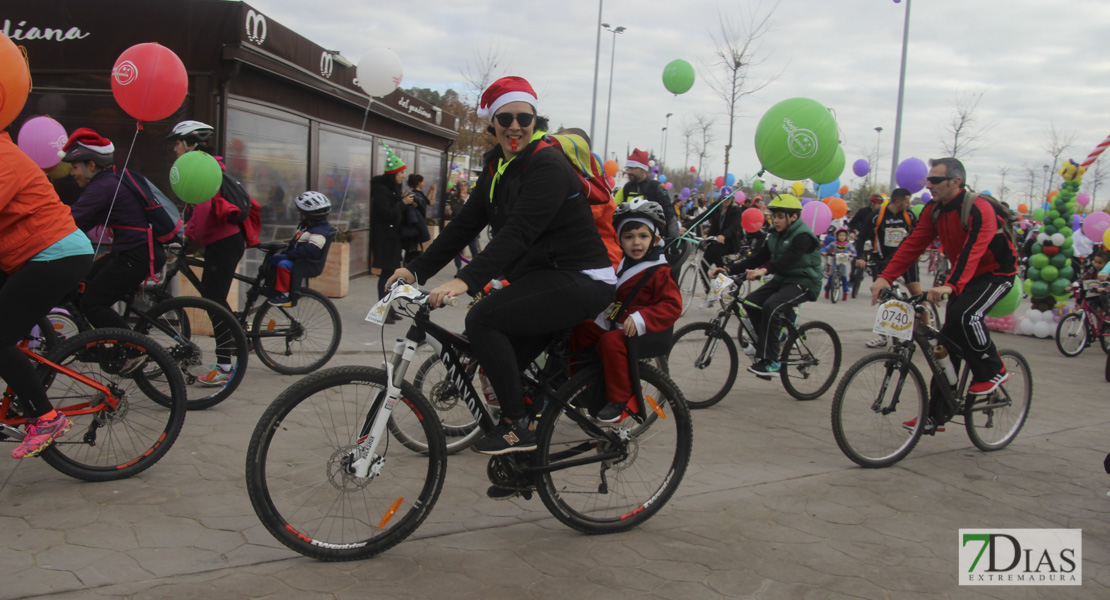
[387,209]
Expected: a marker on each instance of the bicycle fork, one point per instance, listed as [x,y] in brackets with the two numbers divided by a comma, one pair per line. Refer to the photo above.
[362,460]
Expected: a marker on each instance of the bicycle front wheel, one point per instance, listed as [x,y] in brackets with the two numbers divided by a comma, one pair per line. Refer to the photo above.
[1071,334]
[992,423]
[623,491]
[300,475]
[704,362]
[108,443]
[201,335]
[458,423]
[810,360]
[688,285]
[877,412]
[294,340]
[834,290]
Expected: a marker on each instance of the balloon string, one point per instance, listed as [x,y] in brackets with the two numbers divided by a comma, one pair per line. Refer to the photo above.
[347,186]
[119,182]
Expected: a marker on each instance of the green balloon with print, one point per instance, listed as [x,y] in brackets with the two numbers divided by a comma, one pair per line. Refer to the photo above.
[678,76]
[195,177]
[796,138]
[833,170]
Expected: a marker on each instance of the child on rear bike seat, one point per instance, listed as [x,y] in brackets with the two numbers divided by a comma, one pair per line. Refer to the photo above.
[306,247]
[840,245]
[647,302]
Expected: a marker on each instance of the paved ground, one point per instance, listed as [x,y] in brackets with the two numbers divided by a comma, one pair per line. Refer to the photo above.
[769,508]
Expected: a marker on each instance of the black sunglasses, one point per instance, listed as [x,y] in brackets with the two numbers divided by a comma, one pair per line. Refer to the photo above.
[506,119]
[935,180]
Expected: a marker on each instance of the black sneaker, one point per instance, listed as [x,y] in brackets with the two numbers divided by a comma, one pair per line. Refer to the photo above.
[507,437]
[611,412]
[499,493]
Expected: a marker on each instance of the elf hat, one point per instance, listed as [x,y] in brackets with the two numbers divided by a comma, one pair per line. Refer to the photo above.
[86,144]
[503,91]
[393,163]
[637,160]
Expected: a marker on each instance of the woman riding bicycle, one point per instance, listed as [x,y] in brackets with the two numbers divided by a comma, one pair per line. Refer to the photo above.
[545,244]
[43,256]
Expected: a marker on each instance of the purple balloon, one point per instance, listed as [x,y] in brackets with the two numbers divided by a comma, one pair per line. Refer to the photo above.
[926,197]
[726,191]
[741,197]
[861,167]
[697,181]
[42,138]
[1076,222]
[806,201]
[911,174]
[818,216]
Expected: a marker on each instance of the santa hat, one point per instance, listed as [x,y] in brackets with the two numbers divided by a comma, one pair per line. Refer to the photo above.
[503,91]
[393,163]
[86,144]
[638,159]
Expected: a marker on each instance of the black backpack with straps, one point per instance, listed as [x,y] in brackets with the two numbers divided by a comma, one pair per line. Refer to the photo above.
[1009,219]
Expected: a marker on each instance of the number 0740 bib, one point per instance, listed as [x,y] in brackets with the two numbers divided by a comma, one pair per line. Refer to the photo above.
[895,318]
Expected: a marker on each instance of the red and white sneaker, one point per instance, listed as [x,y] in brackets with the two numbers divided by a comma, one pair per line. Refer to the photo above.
[982,388]
[930,428]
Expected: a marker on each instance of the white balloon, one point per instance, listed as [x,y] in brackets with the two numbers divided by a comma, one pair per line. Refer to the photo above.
[1025,326]
[1042,329]
[1033,315]
[1058,239]
[1048,317]
[379,72]
[1042,238]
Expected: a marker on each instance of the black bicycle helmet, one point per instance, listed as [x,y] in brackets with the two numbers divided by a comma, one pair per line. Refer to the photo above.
[642,209]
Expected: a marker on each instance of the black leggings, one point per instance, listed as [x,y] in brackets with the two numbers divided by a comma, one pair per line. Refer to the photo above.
[221,258]
[774,303]
[26,296]
[112,278]
[511,327]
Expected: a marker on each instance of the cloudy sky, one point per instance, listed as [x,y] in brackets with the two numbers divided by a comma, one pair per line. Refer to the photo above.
[1038,65]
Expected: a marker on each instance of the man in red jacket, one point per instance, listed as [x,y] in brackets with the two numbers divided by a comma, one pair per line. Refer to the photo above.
[984,262]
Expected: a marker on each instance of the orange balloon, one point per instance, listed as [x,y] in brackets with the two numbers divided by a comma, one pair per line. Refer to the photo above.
[838,206]
[611,168]
[1023,208]
[15,81]
[1052,194]
[843,189]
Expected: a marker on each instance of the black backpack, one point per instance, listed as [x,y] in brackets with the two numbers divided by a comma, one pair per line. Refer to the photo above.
[160,211]
[237,196]
[1009,219]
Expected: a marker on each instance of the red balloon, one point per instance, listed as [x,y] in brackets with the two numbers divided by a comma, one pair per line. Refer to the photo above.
[751,220]
[719,182]
[149,81]
[1050,250]
[692,169]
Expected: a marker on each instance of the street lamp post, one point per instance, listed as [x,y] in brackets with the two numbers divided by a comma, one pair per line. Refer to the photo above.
[597,61]
[612,62]
[665,136]
[1044,196]
[901,94]
[878,139]
[663,139]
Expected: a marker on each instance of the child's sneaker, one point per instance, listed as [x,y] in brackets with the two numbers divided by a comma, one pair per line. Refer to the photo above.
[845,296]
[215,376]
[40,434]
[279,300]
[826,293]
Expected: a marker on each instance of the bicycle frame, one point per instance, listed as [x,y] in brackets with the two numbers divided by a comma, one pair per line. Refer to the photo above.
[8,424]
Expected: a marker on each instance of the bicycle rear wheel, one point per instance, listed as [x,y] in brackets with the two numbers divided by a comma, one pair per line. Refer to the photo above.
[298,467]
[108,443]
[1071,334]
[458,423]
[199,334]
[622,492]
[873,409]
[294,340]
[703,363]
[810,360]
[992,423]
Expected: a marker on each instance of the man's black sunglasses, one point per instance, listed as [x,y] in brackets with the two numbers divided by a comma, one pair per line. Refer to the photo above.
[506,119]
[936,180]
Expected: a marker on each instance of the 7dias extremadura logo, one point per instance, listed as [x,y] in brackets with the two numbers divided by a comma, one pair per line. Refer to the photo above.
[1021,557]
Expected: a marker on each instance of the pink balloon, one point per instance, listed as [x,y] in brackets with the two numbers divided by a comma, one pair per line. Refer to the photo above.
[740,197]
[668,185]
[42,138]
[1082,198]
[1095,225]
[818,216]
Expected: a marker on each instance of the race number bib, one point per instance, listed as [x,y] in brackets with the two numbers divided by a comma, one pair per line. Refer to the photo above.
[843,258]
[717,286]
[895,318]
[894,236]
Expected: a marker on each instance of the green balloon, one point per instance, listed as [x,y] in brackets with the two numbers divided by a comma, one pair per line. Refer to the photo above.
[1038,248]
[1049,274]
[1053,215]
[757,185]
[195,177]
[1068,252]
[1039,290]
[1009,303]
[1038,215]
[1067,272]
[1059,287]
[1067,232]
[1067,243]
[1033,274]
[1059,223]
[678,76]
[916,209]
[833,170]
[1039,260]
[796,138]
[1027,287]
[1049,229]
[1058,261]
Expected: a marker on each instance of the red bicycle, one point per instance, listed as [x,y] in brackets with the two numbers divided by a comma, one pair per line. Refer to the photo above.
[1089,322]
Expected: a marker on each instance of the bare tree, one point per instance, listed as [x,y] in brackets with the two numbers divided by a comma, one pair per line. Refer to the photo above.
[1056,144]
[962,135]
[481,70]
[1029,179]
[1093,178]
[1002,189]
[737,51]
[705,137]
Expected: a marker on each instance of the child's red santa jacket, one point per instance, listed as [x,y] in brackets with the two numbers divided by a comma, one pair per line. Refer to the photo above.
[656,306]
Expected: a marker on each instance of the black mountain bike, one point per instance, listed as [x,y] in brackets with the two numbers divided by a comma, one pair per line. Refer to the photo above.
[327,475]
[882,404]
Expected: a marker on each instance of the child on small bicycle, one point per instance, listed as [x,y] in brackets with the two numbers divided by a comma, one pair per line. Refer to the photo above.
[793,255]
[647,303]
[840,245]
[305,249]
